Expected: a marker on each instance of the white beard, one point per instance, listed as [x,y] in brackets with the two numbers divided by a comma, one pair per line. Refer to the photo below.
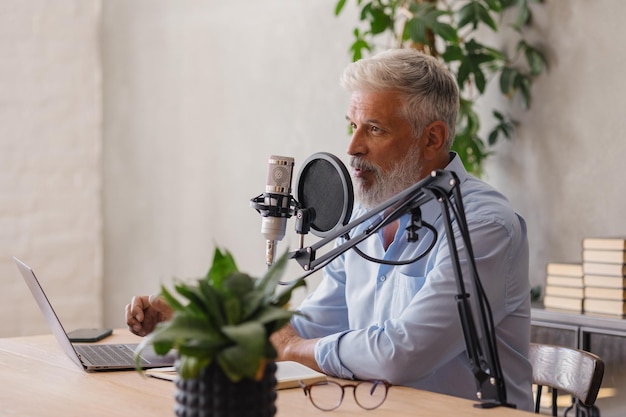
[403,174]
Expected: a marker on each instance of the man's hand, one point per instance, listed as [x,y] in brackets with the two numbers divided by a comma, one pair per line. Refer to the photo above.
[292,347]
[144,312]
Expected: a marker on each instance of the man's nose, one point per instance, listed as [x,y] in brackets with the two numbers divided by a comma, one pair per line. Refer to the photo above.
[358,144]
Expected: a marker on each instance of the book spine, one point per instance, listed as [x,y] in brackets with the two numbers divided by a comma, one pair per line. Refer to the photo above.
[604,243]
[564,303]
[604,281]
[564,269]
[604,256]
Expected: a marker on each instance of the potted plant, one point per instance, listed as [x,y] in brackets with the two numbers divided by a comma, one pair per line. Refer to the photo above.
[221,332]
[450,30]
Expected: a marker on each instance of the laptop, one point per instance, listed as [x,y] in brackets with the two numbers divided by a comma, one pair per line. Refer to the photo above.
[90,357]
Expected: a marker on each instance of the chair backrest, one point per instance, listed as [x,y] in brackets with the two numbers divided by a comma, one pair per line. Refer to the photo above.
[574,371]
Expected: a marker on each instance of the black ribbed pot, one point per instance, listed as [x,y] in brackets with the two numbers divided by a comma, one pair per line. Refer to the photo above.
[212,394]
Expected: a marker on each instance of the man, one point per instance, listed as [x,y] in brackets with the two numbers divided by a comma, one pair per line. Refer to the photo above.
[369,320]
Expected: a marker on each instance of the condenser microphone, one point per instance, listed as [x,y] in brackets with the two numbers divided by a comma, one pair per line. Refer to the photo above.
[276,204]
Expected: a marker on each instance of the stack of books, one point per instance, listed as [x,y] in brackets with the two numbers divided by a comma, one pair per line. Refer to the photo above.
[564,287]
[604,267]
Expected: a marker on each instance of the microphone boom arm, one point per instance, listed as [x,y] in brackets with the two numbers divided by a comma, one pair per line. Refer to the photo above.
[413,196]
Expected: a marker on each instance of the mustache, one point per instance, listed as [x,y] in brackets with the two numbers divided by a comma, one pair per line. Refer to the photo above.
[358,162]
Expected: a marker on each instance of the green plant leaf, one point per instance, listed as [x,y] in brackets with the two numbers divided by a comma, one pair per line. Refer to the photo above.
[505,126]
[468,122]
[196,303]
[379,21]
[476,56]
[182,328]
[470,65]
[171,300]
[523,83]
[446,31]
[463,73]
[272,276]
[508,3]
[426,17]
[276,325]
[468,144]
[495,5]
[252,303]
[222,266]
[473,13]
[479,79]
[493,136]
[238,363]
[269,314]
[250,334]
[359,45]
[507,80]
[244,357]
[452,53]
[238,284]
[486,18]
[232,309]
[523,14]
[339,7]
[215,314]
[283,297]
[189,367]
[417,30]
[536,61]
[276,320]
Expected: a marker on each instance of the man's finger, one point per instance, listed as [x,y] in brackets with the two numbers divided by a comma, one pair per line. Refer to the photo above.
[158,303]
[138,305]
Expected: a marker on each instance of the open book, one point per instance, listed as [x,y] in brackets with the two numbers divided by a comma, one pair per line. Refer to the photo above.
[288,374]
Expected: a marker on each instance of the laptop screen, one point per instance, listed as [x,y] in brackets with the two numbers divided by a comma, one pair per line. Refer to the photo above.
[47,310]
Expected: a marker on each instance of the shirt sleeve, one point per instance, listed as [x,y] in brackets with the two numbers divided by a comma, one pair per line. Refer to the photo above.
[324,312]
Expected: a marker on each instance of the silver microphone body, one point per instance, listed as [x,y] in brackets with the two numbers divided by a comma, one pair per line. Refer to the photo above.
[277,198]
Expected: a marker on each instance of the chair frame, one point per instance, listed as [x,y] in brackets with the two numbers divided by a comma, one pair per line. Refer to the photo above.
[564,369]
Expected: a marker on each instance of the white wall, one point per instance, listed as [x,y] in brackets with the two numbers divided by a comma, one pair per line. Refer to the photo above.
[50,160]
[196,95]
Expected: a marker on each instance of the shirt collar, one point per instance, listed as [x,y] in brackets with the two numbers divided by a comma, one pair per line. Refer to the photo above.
[456,165]
[431,211]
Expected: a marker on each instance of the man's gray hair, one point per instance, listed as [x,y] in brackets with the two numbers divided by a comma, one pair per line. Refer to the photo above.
[429,89]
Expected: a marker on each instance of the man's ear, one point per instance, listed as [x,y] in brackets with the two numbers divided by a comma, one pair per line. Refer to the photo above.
[435,134]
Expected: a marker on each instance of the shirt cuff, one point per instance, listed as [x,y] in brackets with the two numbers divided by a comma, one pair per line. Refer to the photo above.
[327,356]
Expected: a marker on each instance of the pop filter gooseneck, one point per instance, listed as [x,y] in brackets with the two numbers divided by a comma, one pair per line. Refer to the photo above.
[325,188]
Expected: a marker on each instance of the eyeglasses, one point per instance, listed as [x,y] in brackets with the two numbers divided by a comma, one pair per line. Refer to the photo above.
[328,395]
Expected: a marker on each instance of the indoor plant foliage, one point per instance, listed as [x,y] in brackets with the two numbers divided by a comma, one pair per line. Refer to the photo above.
[447,29]
[224,320]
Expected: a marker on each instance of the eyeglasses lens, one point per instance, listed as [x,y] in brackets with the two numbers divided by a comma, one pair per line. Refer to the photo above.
[326,395]
[370,395]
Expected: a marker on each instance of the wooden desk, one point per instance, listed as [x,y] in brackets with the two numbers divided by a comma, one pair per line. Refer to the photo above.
[38,379]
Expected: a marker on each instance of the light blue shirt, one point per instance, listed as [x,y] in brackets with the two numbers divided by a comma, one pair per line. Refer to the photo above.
[401,323]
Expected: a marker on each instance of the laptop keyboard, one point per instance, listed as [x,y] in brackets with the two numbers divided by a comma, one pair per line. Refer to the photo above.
[110,355]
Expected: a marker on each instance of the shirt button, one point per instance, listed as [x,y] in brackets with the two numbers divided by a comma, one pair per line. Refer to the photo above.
[383,278]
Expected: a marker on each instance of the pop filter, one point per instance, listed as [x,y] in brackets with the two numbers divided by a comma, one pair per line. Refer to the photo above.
[324,185]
